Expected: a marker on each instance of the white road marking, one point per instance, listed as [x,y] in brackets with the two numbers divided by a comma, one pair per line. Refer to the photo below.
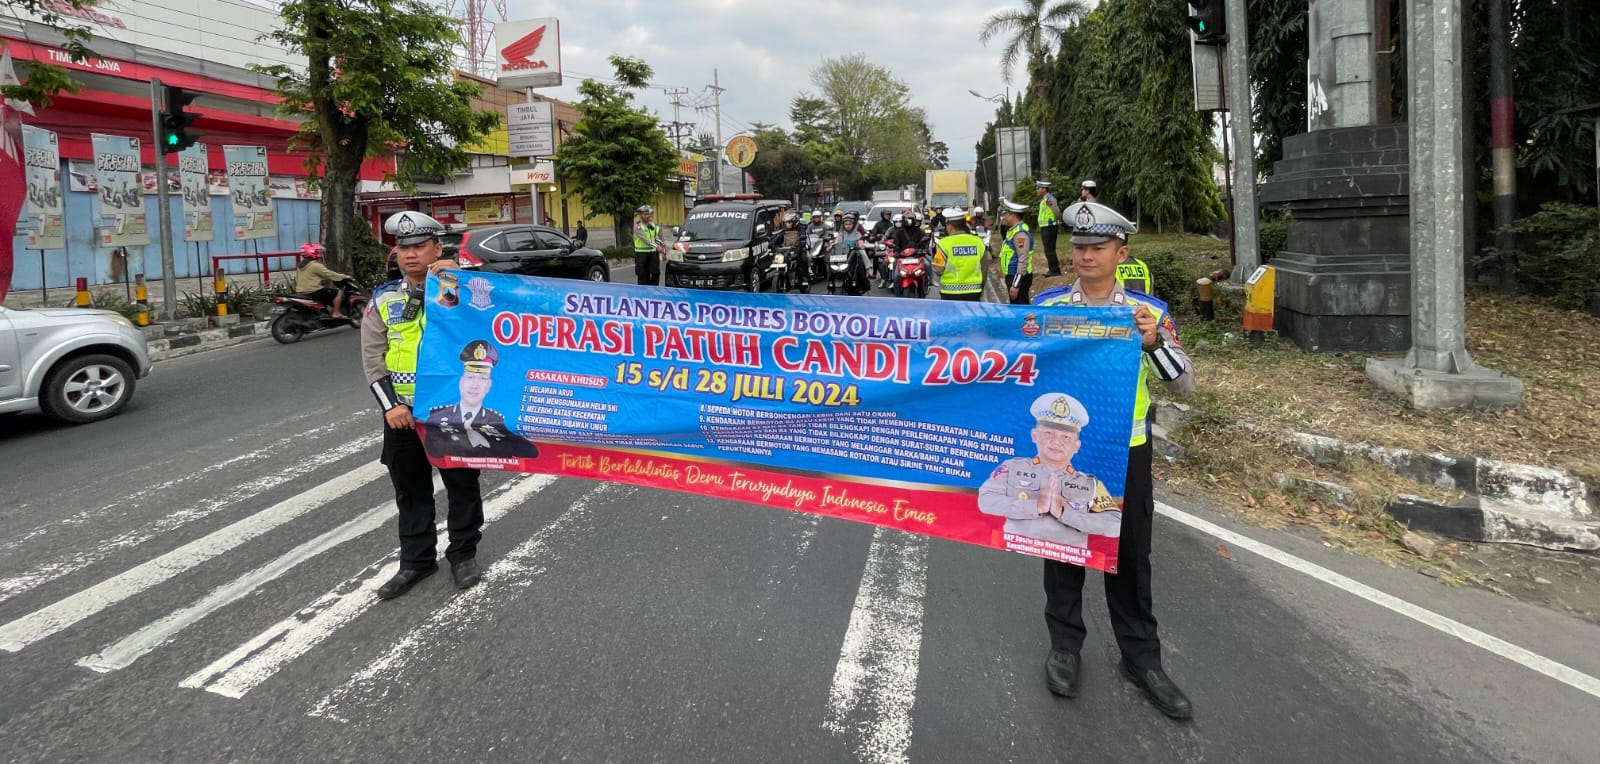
[1528,659]
[875,683]
[259,659]
[48,620]
[124,652]
[167,522]
[504,579]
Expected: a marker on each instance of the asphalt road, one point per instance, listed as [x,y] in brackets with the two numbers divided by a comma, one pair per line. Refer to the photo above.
[191,581]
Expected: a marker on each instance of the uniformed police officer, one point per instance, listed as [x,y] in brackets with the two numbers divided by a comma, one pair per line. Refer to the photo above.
[958,259]
[1099,243]
[647,247]
[390,338]
[1089,192]
[1016,253]
[469,428]
[1049,216]
[1044,497]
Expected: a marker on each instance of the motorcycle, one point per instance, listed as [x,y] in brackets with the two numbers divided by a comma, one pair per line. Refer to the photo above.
[132,195]
[782,270]
[263,197]
[110,197]
[839,259]
[819,261]
[911,273]
[294,316]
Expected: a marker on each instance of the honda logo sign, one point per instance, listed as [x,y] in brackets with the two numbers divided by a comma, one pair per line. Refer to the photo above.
[530,53]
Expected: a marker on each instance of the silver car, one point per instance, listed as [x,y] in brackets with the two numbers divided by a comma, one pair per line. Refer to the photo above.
[74,364]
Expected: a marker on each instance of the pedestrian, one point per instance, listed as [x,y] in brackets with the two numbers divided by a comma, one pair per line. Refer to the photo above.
[581,235]
[1016,253]
[1049,214]
[1100,241]
[1089,192]
[647,247]
[958,259]
[391,336]
[549,222]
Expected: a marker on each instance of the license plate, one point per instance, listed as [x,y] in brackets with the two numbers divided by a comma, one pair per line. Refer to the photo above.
[278,311]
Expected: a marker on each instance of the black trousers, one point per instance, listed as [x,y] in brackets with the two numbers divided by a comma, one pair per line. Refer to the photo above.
[1047,237]
[647,267]
[412,476]
[1133,618]
[965,297]
[1024,291]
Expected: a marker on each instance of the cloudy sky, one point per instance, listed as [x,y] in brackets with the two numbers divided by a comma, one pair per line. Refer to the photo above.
[764,51]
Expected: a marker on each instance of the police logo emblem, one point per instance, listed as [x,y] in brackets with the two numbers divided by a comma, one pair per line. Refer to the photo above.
[480,288]
[1084,218]
[1060,408]
[406,226]
[1030,325]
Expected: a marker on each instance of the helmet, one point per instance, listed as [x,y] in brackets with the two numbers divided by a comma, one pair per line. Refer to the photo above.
[646,210]
[899,220]
[791,219]
[311,251]
[977,210]
[851,216]
[412,227]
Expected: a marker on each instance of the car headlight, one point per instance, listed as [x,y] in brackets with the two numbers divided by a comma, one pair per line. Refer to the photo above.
[117,318]
[735,255]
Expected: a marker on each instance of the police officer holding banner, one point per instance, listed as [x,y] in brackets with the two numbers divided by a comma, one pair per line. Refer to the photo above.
[958,259]
[391,336]
[1099,244]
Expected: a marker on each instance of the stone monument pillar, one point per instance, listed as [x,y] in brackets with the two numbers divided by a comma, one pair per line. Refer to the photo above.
[1344,276]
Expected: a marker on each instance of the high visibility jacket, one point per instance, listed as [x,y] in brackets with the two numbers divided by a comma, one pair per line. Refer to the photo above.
[645,236]
[1047,216]
[405,337]
[1008,252]
[961,256]
[1135,275]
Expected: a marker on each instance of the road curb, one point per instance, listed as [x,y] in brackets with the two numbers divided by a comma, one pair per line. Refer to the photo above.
[210,339]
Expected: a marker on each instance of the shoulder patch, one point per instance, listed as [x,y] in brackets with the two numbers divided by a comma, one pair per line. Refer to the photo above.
[1147,300]
[1052,296]
[1000,470]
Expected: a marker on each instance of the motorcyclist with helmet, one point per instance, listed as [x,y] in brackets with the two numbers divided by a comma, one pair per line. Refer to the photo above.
[318,281]
[908,236]
[977,223]
[793,237]
[852,236]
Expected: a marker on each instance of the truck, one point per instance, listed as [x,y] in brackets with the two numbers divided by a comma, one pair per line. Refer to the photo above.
[951,188]
[902,194]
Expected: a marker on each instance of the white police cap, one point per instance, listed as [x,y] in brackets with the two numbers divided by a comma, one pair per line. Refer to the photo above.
[1093,223]
[1010,206]
[1042,183]
[953,213]
[411,227]
[1088,184]
[1059,410]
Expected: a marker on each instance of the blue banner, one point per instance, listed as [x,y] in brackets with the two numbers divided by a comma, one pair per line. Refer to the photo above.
[998,425]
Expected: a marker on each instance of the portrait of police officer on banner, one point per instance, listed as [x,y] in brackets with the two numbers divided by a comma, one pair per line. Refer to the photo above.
[1044,497]
[467,429]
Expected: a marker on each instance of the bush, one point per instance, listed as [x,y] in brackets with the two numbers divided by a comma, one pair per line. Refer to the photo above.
[197,305]
[619,252]
[1273,234]
[1558,254]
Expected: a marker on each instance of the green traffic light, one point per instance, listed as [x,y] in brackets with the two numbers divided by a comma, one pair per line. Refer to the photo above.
[172,139]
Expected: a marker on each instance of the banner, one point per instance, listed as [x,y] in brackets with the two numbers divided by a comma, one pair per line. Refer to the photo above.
[44,188]
[194,164]
[1001,426]
[247,187]
[121,191]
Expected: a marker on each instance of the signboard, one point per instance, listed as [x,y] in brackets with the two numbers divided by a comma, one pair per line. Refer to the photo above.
[488,209]
[122,220]
[194,164]
[530,53]
[706,181]
[43,163]
[531,129]
[741,151]
[1207,75]
[247,188]
[1014,158]
[828,406]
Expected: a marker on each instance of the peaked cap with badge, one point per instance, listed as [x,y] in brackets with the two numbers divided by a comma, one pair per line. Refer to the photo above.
[1093,222]
[1060,411]
[411,227]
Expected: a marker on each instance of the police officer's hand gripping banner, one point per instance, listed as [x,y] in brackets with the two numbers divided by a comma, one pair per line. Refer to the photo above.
[1001,426]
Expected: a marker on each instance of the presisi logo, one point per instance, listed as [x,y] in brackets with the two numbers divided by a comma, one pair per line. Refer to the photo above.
[516,54]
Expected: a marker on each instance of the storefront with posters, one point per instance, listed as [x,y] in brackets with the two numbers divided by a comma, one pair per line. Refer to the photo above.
[108,235]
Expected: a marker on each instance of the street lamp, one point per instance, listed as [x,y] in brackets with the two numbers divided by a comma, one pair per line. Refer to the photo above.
[996,98]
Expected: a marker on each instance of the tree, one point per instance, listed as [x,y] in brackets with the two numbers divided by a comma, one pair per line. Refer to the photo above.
[1030,29]
[781,167]
[378,81]
[45,80]
[617,157]
[1278,52]
[865,121]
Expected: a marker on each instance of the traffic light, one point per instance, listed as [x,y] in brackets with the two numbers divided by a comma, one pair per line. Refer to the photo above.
[175,135]
[1208,19]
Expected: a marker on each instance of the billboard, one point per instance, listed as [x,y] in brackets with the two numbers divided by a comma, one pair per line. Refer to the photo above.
[529,53]
[43,163]
[120,187]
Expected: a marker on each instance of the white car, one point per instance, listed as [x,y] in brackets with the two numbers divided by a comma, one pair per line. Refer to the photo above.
[74,364]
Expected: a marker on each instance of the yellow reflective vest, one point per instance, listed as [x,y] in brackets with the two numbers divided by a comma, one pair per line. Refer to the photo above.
[1135,275]
[405,339]
[961,256]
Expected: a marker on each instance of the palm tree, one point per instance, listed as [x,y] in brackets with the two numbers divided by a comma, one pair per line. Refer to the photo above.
[1030,28]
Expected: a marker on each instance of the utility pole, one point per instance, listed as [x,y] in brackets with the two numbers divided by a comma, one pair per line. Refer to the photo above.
[1502,127]
[716,95]
[676,94]
[1247,255]
[169,275]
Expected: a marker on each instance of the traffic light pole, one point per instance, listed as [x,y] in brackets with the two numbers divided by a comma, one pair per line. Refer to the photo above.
[1247,255]
[169,276]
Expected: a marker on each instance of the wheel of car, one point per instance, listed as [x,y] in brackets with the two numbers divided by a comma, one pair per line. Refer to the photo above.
[596,273]
[753,283]
[87,388]
[285,330]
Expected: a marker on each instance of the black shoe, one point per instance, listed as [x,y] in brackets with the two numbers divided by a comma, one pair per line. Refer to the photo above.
[403,581]
[466,573]
[1061,673]
[1052,273]
[1161,690]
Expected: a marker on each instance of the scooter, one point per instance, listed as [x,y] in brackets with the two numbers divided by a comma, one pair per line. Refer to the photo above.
[839,259]
[911,274]
[294,316]
[781,271]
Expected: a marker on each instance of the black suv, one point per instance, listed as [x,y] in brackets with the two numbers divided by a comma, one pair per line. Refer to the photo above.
[723,244]
[527,250]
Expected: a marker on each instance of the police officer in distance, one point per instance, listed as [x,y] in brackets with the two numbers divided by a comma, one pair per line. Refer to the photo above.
[391,336]
[647,247]
[1049,216]
[467,428]
[1044,497]
[958,259]
[1016,253]
[1099,242]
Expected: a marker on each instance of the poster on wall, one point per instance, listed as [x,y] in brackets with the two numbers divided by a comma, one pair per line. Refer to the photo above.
[120,189]
[451,211]
[193,167]
[482,210]
[80,175]
[247,187]
[44,188]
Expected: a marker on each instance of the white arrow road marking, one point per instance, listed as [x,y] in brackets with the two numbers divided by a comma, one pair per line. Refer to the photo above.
[875,682]
[505,579]
[257,660]
[166,523]
[48,620]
